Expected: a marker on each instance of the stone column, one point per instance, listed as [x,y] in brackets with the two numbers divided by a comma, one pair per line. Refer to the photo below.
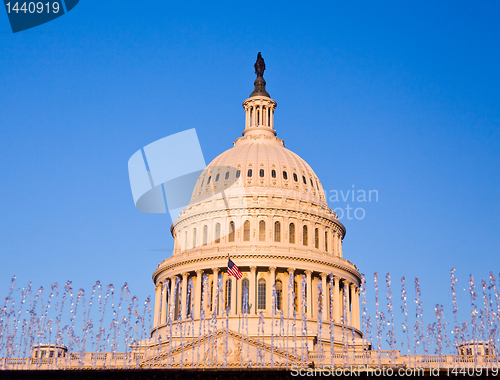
[233,295]
[356,317]
[215,293]
[164,302]
[299,295]
[252,292]
[340,246]
[335,245]
[326,301]
[272,117]
[288,294]
[197,294]
[157,303]
[337,306]
[270,305]
[309,294]
[184,295]
[353,304]
[347,299]
[171,309]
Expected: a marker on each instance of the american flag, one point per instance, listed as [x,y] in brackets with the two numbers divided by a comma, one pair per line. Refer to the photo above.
[233,270]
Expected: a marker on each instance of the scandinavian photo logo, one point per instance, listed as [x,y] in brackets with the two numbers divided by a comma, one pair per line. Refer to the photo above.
[28,14]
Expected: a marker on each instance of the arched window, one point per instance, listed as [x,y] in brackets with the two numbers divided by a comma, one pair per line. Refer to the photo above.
[251,112]
[227,300]
[261,297]
[261,173]
[304,235]
[262,231]
[304,180]
[231,232]
[316,238]
[326,241]
[227,175]
[312,184]
[249,173]
[205,234]
[273,173]
[217,233]
[295,178]
[217,177]
[246,230]
[269,116]
[279,294]
[264,115]
[194,237]
[258,115]
[245,285]
[203,180]
[209,178]
[277,232]
[291,233]
[285,175]
[238,173]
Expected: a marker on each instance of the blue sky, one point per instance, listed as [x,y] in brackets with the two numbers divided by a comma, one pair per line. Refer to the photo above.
[397,97]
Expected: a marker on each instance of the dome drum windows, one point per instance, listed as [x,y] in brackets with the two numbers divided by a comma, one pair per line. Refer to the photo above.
[273,173]
[249,173]
[262,230]
[304,236]
[316,238]
[304,180]
[227,298]
[217,233]
[261,297]
[277,232]
[261,173]
[291,233]
[246,230]
[285,175]
[217,177]
[245,287]
[231,232]
[205,235]
[279,295]
[295,178]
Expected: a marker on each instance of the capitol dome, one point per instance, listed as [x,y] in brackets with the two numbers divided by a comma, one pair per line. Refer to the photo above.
[261,207]
[266,165]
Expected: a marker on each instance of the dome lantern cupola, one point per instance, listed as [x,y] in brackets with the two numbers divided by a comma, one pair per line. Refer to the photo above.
[259,107]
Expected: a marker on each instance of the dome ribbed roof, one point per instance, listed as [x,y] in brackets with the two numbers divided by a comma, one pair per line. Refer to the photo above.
[265,167]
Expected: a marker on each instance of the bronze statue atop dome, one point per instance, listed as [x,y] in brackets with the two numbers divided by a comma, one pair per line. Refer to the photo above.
[260,83]
[260,66]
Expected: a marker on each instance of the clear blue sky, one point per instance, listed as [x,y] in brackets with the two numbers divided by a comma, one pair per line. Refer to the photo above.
[401,97]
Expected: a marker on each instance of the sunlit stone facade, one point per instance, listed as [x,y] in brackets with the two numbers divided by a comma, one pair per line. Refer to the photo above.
[262,205]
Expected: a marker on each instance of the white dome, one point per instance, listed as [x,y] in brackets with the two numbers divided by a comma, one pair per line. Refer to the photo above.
[263,162]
